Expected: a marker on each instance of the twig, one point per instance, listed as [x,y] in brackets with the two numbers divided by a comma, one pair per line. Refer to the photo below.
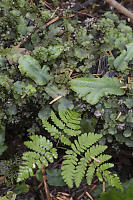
[103,186]
[83,13]
[89,196]
[63,196]
[81,196]
[95,159]
[118,116]
[25,93]
[70,73]
[129,79]
[124,87]
[94,186]
[47,5]
[75,9]
[45,183]
[56,99]
[120,8]
[31,2]
[52,21]
[76,76]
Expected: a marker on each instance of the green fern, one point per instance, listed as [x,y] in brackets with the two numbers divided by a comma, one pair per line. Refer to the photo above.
[92,162]
[64,128]
[43,152]
[86,157]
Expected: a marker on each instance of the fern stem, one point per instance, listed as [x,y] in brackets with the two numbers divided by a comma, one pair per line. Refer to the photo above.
[45,183]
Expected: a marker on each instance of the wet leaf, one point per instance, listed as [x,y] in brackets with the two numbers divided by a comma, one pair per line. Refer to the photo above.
[92,89]
[32,69]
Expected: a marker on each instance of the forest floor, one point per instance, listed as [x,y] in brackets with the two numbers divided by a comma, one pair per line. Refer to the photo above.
[123,160]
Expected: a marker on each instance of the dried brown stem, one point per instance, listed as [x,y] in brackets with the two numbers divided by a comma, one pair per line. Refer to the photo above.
[45,183]
[121,9]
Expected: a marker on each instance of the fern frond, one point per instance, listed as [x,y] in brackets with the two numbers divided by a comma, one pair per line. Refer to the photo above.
[51,129]
[106,166]
[64,128]
[65,140]
[57,121]
[80,171]
[87,140]
[73,115]
[112,179]
[85,156]
[69,167]
[70,115]
[90,173]
[96,150]
[28,164]
[71,118]
[24,173]
[82,146]
[43,152]
[92,160]
[101,169]
[71,132]
[102,159]
[62,114]
[38,144]
[76,148]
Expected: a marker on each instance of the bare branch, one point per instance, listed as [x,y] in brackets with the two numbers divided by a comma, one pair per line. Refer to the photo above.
[121,9]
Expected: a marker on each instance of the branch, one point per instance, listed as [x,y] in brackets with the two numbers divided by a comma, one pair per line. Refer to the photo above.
[121,9]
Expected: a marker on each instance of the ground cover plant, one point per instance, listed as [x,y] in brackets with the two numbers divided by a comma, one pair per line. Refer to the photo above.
[66,83]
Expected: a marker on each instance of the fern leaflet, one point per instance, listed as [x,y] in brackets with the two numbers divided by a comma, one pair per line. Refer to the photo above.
[43,152]
[112,179]
[65,127]
[91,161]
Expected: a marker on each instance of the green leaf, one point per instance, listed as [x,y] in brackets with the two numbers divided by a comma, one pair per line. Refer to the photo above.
[21,88]
[92,89]
[65,103]
[121,62]
[45,112]
[42,153]
[32,69]
[65,126]
[54,177]
[129,102]
[14,54]
[54,51]
[53,91]
[80,53]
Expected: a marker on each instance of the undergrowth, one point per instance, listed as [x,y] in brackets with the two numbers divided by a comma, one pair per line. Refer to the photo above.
[65,65]
[84,158]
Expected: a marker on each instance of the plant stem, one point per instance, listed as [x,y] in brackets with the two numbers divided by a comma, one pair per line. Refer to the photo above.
[45,183]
